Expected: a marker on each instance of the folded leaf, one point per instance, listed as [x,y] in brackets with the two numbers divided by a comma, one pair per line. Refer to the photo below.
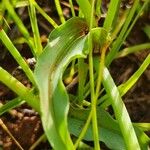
[65,43]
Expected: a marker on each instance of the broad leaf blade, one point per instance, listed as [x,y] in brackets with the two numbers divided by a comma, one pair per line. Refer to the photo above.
[65,43]
[109,131]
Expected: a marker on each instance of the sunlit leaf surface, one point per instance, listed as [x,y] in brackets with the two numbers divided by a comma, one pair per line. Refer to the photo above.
[65,43]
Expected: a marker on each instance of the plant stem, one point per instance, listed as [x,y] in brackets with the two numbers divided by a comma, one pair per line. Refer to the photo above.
[9,133]
[48,18]
[93,97]
[59,10]
[117,44]
[84,129]
[14,52]
[133,49]
[36,34]
[72,9]
[20,25]
[42,137]
[19,89]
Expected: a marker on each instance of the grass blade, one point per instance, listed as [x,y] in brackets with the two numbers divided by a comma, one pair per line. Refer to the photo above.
[14,52]
[36,34]
[65,43]
[19,89]
[20,24]
[11,104]
[112,13]
[120,111]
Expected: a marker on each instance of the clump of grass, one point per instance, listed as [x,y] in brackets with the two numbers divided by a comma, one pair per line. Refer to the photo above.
[77,38]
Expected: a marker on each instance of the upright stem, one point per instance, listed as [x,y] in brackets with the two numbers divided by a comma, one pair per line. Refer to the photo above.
[93,97]
[36,34]
[72,9]
[59,10]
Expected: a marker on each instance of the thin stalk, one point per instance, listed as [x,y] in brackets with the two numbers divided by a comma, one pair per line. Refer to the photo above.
[82,73]
[19,89]
[124,88]
[36,34]
[83,132]
[117,44]
[72,8]
[120,111]
[59,10]
[101,68]
[47,17]
[98,8]
[9,133]
[85,7]
[42,137]
[93,98]
[133,49]
[119,25]
[14,52]
[20,25]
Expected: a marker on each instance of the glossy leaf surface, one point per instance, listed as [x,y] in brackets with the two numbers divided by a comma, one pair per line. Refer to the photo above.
[65,43]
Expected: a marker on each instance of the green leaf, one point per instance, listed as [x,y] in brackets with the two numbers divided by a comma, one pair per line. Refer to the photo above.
[65,43]
[109,131]
[11,104]
[120,111]
[112,14]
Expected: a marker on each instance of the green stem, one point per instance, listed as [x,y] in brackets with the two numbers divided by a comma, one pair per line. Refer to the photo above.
[20,25]
[42,137]
[101,68]
[98,8]
[72,9]
[14,52]
[59,10]
[86,9]
[123,34]
[133,49]
[93,97]
[120,111]
[36,34]
[19,89]
[84,129]
[48,18]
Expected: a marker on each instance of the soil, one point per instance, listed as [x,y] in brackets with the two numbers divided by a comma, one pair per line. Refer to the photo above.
[24,123]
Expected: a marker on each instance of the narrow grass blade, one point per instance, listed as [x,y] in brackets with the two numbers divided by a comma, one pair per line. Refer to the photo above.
[19,89]
[48,18]
[116,46]
[133,79]
[14,52]
[125,87]
[120,111]
[10,134]
[112,14]
[65,43]
[72,8]
[133,49]
[59,10]
[10,105]
[86,9]
[19,24]
[36,34]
